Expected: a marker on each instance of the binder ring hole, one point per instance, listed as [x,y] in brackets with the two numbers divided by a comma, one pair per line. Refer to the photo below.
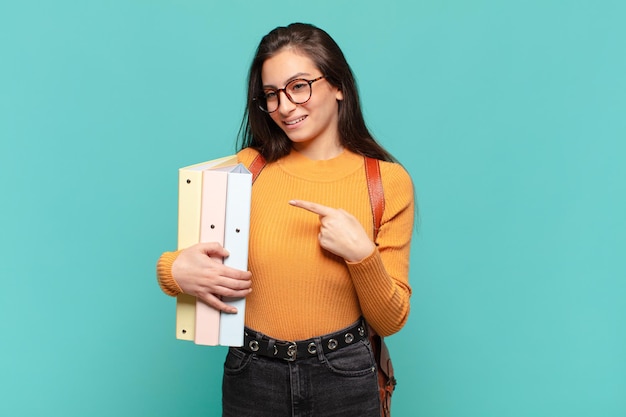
[237,230]
[212,226]
[188,181]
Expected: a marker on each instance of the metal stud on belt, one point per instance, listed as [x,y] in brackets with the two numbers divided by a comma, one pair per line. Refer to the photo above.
[332,344]
[292,350]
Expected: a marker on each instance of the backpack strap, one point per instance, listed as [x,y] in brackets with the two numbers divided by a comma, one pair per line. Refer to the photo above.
[376,192]
[257,165]
[374,186]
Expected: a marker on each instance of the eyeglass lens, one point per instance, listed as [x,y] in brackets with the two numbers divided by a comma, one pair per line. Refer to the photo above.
[297,91]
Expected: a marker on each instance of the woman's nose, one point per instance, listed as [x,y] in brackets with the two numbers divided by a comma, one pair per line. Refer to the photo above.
[285,106]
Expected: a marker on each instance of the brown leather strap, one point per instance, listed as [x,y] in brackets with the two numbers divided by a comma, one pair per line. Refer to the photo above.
[257,165]
[375,188]
[386,379]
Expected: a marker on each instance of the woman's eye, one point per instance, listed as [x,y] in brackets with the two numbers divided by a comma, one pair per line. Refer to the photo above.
[298,86]
[269,95]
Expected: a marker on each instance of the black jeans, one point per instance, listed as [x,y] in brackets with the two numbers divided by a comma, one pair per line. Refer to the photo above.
[341,383]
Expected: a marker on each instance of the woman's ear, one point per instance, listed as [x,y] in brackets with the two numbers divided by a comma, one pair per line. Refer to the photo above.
[339,95]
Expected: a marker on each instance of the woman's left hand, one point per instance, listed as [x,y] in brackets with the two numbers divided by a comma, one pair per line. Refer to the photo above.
[340,232]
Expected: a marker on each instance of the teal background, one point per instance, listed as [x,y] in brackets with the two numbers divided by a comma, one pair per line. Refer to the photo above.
[510,116]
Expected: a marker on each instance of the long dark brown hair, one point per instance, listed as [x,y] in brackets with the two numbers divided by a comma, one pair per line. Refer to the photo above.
[259,131]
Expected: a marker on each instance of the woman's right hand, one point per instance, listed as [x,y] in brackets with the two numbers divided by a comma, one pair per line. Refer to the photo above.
[198,270]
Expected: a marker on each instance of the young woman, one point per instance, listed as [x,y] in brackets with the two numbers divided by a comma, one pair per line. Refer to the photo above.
[317,275]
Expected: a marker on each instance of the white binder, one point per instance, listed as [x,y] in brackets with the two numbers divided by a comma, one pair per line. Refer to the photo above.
[236,237]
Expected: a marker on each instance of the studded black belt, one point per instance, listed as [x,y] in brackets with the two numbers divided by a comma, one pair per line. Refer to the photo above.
[260,344]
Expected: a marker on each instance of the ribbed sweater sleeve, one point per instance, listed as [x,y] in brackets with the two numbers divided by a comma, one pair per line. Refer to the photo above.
[381,279]
[164,274]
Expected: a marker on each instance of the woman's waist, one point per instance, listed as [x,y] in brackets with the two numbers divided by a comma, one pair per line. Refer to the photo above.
[300,324]
[262,344]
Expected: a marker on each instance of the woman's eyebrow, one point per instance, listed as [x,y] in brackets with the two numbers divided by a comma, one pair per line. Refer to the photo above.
[290,79]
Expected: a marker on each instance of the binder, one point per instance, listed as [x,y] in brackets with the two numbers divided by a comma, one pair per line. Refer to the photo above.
[214,206]
[212,215]
[236,237]
[189,214]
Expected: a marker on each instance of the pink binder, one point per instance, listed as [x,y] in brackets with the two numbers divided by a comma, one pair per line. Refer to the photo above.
[213,209]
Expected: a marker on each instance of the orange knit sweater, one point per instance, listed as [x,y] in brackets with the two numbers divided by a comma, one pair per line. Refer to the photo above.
[299,289]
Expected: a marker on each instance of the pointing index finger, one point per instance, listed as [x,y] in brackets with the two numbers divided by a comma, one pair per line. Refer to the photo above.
[312,207]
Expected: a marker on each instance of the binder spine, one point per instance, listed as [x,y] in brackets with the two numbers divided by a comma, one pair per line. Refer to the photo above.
[236,236]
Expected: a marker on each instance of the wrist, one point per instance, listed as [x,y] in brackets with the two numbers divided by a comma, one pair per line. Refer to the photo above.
[361,253]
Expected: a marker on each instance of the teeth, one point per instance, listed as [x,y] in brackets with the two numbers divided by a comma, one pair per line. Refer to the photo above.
[293,122]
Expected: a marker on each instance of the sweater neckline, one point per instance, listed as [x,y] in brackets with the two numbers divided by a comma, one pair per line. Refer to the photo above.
[298,165]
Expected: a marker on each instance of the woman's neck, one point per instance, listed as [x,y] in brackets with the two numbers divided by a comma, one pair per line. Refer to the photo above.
[318,151]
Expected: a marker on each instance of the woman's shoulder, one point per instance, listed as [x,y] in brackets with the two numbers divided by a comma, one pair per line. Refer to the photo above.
[394,173]
[398,189]
[247,155]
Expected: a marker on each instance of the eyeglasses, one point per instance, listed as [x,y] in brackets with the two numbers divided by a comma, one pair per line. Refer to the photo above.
[298,91]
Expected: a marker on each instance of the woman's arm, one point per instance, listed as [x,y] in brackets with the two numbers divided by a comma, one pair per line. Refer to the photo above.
[198,271]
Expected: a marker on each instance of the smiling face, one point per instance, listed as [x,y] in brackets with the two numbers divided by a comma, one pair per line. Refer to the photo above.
[312,127]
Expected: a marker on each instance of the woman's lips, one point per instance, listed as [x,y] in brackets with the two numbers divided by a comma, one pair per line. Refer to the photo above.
[294,122]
